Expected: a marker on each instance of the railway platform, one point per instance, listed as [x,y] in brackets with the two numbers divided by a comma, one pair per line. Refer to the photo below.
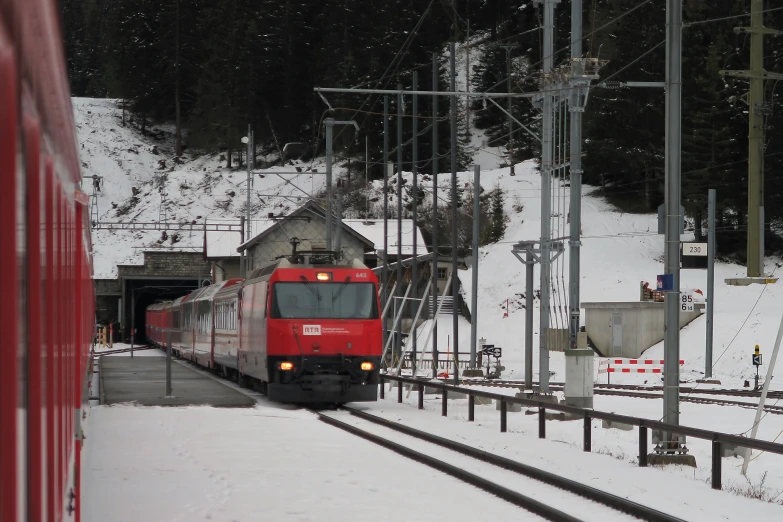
[142,381]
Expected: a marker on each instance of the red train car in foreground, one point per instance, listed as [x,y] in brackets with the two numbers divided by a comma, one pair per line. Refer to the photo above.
[296,331]
[46,294]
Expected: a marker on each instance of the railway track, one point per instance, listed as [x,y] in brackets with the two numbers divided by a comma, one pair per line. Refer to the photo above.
[773,394]
[125,350]
[455,458]
[643,392]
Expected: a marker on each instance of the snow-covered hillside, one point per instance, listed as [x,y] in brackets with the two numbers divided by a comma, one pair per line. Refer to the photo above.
[619,250]
[137,169]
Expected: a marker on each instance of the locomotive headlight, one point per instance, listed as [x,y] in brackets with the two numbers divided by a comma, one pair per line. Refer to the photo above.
[323,276]
[367,366]
[286,366]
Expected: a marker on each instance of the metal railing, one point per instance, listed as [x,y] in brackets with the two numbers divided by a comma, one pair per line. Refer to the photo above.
[445,361]
[718,439]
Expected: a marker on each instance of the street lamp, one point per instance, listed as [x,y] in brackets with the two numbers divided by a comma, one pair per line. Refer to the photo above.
[248,140]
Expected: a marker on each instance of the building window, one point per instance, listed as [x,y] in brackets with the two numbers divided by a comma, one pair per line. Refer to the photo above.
[442,273]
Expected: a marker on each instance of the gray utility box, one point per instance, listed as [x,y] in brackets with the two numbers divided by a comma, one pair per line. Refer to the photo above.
[627,329]
[579,377]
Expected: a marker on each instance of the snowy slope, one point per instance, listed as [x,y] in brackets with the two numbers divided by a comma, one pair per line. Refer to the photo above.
[198,189]
[484,155]
[619,250]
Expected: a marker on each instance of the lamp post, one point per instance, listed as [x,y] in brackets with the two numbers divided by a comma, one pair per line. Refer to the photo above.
[246,140]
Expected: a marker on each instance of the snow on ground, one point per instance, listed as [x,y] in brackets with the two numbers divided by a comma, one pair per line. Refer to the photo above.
[679,491]
[265,463]
[276,462]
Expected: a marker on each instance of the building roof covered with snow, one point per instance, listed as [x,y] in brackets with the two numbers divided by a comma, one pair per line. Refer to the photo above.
[373,230]
[222,244]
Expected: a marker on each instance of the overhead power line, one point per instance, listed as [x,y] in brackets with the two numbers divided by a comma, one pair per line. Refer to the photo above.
[743,15]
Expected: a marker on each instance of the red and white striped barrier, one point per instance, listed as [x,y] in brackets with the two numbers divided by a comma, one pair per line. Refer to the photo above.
[620,362]
[606,366]
[634,370]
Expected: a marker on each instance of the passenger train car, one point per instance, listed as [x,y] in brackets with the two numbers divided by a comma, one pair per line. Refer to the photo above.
[46,294]
[296,331]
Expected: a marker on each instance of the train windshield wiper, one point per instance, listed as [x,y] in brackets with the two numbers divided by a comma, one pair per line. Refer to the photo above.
[340,290]
[313,291]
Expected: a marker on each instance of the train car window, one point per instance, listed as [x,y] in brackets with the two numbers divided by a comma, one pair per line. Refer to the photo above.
[307,300]
[187,317]
[224,315]
[204,312]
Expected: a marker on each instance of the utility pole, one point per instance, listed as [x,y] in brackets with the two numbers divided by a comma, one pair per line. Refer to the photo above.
[757,111]
[385,164]
[398,334]
[454,278]
[546,190]
[178,112]
[467,76]
[579,358]
[366,176]
[247,141]
[329,123]
[339,233]
[415,188]
[474,286]
[670,442]
[710,279]
[242,267]
[575,153]
[508,49]
[436,291]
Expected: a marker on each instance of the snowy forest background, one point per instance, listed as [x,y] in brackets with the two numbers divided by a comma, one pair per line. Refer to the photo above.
[213,66]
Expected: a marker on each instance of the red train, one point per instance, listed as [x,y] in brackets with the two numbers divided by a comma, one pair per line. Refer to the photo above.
[46,294]
[296,332]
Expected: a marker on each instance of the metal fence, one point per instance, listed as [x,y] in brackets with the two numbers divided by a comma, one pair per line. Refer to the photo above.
[718,439]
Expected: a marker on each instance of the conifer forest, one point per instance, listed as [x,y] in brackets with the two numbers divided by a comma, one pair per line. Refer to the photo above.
[211,67]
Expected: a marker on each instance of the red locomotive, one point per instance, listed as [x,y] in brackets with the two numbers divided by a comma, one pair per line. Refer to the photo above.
[47,299]
[296,331]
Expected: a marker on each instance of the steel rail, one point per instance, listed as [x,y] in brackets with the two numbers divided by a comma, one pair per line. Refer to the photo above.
[577,488]
[716,437]
[636,387]
[523,501]
[642,393]
[124,350]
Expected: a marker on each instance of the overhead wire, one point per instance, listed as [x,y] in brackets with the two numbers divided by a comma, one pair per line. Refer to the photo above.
[714,364]
[635,60]
[398,59]
[743,15]
[591,33]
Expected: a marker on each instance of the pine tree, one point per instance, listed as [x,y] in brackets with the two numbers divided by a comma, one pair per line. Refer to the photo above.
[624,129]
[135,69]
[498,228]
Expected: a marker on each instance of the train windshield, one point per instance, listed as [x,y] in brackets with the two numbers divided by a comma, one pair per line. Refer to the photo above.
[310,300]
